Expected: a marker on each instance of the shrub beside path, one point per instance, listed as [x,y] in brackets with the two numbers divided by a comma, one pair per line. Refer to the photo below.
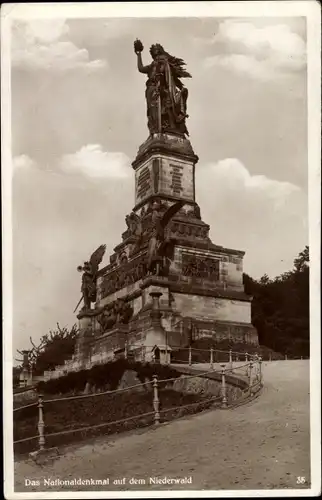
[262,445]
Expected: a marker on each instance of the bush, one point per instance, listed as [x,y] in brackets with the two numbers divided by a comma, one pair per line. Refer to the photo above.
[106,374]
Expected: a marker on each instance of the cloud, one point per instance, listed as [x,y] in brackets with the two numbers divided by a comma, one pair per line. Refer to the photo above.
[92,161]
[22,162]
[45,45]
[262,52]
[265,217]
[232,174]
[46,30]
[58,221]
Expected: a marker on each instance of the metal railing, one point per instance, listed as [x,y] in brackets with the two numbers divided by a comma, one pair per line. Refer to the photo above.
[211,354]
[139,351]
[253,383]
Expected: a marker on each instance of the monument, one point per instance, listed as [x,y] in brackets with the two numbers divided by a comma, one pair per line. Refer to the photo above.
[167,283]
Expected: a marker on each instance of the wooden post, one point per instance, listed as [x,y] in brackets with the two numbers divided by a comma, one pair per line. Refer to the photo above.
[126,347]
[190,356]
[285,357]
[156,400]
[230,359]
[211,358]
[41,424]
[223,388]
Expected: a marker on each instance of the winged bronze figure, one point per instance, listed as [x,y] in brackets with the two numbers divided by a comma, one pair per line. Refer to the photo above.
[89,278]
[160,249]
[135,228]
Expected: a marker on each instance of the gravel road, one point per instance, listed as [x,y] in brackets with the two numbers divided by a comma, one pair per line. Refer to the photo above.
[264,444]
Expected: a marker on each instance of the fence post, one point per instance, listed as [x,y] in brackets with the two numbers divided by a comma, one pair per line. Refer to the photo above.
[237,357]
[126,346]
[190,356]
[211,358]
[41,423]
[270,356]
[230,359]
[246,357]
[260,371]
[250,377]
[156,400]
[285,357]
[223,388]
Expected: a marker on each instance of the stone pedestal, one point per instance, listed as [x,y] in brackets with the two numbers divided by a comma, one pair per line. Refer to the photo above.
[83,345]
[202,286]
[156,336]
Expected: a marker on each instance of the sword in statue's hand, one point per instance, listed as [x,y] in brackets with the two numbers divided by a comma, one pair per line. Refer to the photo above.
[159,107]
[80,300]
[80,268]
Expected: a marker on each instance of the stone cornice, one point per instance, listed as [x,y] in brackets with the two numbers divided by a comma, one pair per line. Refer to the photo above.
[209,245]
[205,291]
[168,145]
[162,196]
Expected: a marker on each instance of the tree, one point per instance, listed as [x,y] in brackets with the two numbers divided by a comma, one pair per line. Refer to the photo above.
[54,349]
[301,263]
[280,308]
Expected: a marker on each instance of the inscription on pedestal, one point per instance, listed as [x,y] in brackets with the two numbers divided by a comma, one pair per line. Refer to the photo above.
[176,184]
[144,183]
[156,174]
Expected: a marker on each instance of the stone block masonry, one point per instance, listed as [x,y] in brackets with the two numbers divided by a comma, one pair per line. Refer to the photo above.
[212,308]
[202,283]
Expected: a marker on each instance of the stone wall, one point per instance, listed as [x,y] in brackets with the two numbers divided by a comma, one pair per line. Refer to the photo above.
[123,292]
[176,178]
[230,266]
[206,386]
[212,308]
[130,379]
[25,397]
[164,175]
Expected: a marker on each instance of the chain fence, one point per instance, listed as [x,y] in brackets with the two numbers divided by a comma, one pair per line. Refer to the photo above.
[149,403]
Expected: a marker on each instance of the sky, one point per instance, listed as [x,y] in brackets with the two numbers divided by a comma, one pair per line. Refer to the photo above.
[78,117]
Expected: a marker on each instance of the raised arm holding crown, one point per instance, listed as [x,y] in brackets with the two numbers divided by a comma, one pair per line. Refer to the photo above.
[166,96]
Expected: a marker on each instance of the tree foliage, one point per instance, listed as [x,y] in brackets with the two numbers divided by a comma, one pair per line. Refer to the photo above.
[53,349]
[280,308]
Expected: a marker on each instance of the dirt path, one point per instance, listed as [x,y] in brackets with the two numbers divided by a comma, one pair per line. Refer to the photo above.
[264,444]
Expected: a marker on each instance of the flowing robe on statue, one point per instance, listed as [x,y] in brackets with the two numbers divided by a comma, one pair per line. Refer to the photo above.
[166,98]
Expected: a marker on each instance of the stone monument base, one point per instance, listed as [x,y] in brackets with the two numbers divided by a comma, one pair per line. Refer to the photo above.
[199,284]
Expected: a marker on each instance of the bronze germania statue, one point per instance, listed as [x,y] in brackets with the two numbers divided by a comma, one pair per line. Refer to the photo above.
[166,96]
